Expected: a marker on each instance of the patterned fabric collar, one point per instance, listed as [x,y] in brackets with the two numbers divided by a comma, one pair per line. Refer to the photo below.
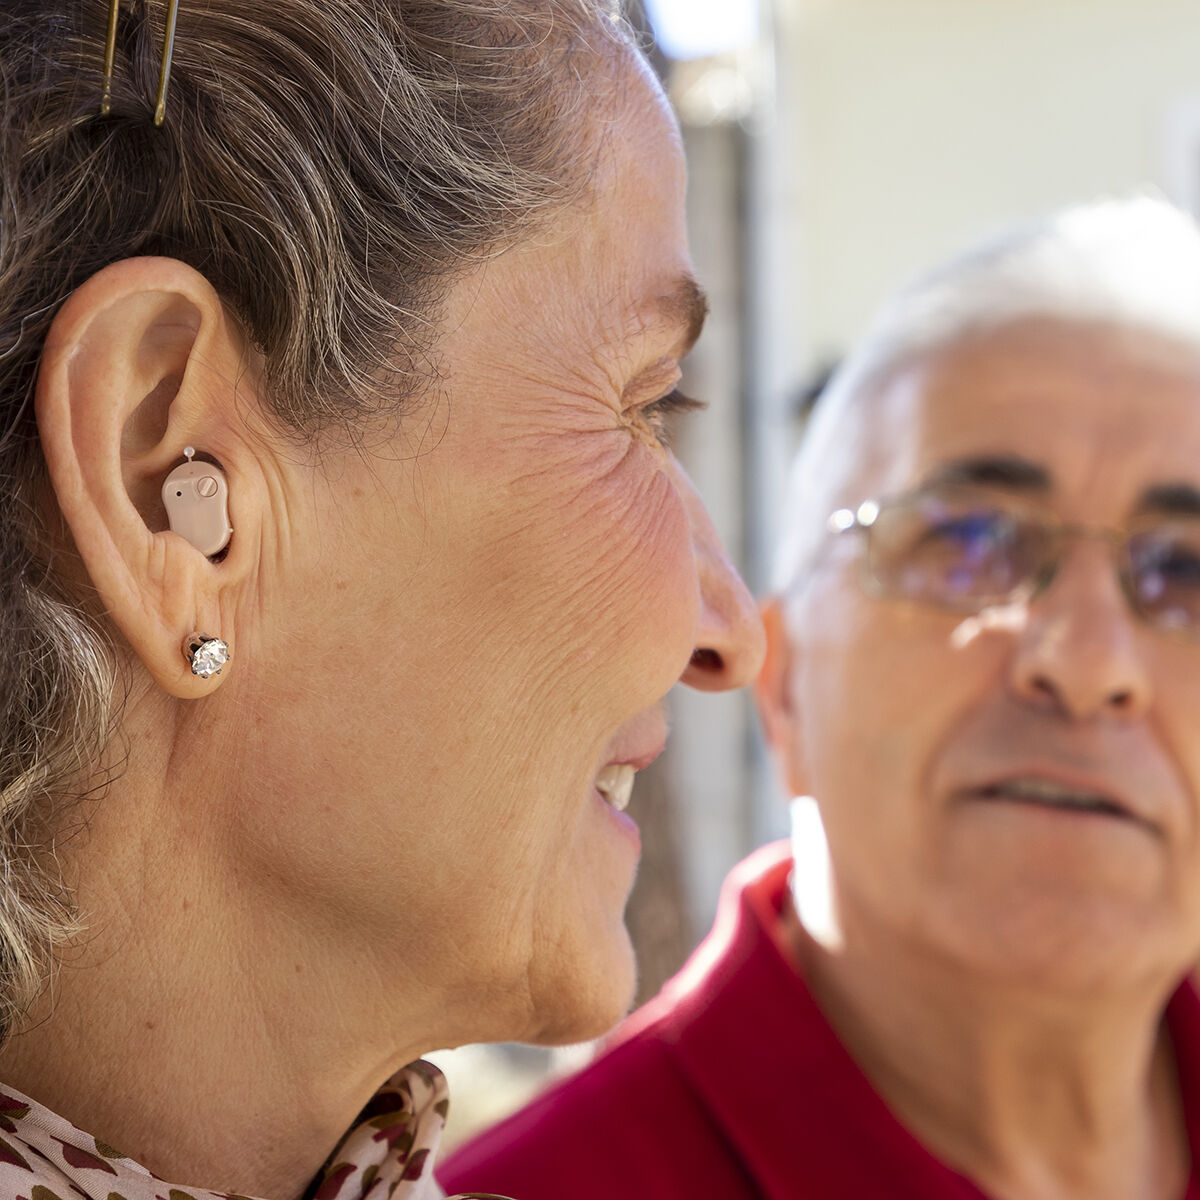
[386,1155]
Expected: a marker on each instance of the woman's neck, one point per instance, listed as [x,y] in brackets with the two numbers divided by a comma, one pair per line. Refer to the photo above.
[1031,1097]
[197,1026]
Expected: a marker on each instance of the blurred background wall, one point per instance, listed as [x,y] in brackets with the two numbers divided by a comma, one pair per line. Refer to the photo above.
[919,124]
[835,148]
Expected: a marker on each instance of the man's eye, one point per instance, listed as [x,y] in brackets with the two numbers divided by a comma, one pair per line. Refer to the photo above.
[1173,565]
[971,531]
[658,414]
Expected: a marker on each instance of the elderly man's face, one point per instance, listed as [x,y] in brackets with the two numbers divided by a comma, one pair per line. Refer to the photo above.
[952,757]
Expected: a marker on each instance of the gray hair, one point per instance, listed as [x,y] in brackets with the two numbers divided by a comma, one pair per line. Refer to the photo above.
[331,167]
[1128,263]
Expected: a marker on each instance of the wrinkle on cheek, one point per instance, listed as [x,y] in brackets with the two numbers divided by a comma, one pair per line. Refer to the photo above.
[624,538]
[623,541]
[584,463]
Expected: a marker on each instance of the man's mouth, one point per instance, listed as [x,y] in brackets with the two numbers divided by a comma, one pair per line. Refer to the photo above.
[1047,793]
[615,784]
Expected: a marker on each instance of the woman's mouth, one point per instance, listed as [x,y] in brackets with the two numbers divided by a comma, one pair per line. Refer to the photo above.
[615,784]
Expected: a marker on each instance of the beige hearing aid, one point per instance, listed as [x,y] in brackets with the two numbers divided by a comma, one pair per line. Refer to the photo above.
[196,497]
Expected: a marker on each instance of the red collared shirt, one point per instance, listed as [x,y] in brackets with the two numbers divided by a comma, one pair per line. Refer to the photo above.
[731,1085]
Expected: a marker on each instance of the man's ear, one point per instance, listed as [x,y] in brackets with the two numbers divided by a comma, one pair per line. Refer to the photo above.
[776,704]
[139,362]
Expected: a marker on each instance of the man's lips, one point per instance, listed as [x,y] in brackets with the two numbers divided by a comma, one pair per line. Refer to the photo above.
[1053,788]
[1129,765]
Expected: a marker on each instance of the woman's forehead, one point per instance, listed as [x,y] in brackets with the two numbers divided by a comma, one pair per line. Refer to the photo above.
[612,273]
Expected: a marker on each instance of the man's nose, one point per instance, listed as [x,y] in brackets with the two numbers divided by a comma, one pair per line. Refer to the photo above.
[1078,652]
[730,642]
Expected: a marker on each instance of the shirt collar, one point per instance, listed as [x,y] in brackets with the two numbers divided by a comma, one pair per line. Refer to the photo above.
[388,1151]
[745,1029]
[741,1024]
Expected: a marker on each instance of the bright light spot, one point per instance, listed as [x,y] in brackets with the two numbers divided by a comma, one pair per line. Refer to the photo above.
[812,875]
[868,511]
[1006,617]
[698,28]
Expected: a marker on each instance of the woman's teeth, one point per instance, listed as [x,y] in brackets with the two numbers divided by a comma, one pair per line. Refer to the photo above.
[615,784]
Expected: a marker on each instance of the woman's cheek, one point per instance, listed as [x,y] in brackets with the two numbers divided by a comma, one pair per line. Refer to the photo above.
[630,573]
[597,568]
[654,571]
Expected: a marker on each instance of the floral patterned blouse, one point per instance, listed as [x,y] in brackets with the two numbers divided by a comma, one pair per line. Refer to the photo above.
[387,1155]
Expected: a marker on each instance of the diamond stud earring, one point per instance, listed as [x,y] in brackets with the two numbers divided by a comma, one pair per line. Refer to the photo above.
[207,655]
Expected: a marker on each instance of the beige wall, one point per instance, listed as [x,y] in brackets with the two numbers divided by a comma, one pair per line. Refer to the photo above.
[917,125]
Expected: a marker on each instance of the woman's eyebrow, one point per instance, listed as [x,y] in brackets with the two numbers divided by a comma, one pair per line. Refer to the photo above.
[682,306]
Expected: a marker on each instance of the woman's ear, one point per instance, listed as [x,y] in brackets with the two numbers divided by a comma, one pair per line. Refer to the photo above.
[773,692]
[140,361]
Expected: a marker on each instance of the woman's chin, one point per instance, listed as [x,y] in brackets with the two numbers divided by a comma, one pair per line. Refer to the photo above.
[585,1004]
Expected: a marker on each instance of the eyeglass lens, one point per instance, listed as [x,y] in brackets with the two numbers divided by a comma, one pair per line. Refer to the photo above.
[970,553]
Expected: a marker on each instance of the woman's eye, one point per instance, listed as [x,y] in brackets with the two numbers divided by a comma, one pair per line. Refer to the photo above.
[657,415]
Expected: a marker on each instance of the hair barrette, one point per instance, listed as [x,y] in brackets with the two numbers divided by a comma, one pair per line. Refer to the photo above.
[164,73]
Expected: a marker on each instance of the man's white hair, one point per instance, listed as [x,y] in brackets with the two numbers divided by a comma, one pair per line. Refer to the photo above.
[1129,263]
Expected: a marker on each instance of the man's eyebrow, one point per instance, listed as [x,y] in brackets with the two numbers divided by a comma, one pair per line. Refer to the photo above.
[1009,472]
[1171,499]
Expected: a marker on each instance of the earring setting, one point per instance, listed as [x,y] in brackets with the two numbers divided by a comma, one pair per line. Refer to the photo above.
[207,655]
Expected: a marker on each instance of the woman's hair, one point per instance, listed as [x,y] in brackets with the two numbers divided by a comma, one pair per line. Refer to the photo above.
[331,166]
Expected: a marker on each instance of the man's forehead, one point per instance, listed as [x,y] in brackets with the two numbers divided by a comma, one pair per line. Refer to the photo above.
[1023,407]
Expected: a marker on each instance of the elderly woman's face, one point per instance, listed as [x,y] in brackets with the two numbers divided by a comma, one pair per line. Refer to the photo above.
[481,616]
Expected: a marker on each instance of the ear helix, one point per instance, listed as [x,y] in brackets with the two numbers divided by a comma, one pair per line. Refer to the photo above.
[196,497]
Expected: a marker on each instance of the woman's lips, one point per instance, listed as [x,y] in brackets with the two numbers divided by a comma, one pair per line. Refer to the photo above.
[636,745]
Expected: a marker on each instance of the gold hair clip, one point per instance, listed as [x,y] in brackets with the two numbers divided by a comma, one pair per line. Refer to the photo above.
[164,74]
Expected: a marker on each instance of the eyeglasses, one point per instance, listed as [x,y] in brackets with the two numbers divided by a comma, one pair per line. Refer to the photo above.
[964,551]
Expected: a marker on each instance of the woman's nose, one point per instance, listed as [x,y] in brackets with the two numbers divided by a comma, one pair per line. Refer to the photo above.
[730,642]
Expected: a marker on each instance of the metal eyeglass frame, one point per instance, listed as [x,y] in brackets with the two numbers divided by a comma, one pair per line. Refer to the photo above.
[864,517]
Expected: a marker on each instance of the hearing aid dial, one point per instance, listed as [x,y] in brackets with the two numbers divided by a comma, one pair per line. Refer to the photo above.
[196,496]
